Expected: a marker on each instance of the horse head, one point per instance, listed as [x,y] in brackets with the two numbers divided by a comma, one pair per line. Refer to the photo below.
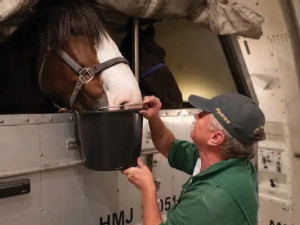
[155,76]
[80,66]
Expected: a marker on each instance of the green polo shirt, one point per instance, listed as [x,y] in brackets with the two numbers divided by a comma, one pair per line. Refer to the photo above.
[223,194]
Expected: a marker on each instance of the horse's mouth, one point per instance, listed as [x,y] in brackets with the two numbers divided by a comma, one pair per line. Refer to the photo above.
[90,104]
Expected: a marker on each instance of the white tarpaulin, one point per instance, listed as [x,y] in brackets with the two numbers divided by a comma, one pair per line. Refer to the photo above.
[217,15]
[232,18]
[10,7]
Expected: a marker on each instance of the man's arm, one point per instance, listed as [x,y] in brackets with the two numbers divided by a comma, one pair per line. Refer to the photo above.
[142,178]
[161,136]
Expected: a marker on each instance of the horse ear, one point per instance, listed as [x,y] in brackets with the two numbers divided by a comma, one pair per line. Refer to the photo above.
[150,30]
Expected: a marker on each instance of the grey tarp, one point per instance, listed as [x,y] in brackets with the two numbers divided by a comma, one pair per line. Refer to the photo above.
[216,15]
[10,7]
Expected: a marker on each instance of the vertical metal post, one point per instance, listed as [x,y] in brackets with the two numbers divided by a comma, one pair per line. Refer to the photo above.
[136,48]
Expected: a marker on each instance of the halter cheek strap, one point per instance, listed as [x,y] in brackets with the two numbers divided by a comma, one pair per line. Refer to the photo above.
[48,49]
[85,74]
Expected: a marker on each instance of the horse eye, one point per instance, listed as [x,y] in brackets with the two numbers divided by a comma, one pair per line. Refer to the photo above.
[73,32]
[76,32]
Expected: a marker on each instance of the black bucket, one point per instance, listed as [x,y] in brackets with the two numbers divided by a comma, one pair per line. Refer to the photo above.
[110,140]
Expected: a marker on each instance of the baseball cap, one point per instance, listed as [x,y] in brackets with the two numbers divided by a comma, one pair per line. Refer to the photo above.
[237,113]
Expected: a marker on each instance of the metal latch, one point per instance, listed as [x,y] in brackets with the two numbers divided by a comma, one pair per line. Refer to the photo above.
[72,144]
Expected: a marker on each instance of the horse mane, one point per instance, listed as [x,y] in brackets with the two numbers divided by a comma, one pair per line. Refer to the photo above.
[62,18]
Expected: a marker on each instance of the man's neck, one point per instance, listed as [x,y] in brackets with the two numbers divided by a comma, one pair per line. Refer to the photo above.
[209,157]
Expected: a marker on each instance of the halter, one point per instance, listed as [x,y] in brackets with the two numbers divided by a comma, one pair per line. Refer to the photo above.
[85,74]
[149,71]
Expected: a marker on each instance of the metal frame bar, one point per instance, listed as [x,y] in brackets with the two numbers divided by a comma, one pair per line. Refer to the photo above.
[237,65]
[136,49]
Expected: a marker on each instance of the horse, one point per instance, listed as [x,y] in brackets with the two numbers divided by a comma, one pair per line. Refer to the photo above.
[64,57]
[155,76]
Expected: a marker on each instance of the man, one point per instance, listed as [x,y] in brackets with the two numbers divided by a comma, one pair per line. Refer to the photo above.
[224,192]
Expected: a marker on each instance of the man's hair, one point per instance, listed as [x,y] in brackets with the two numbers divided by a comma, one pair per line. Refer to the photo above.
[232,148]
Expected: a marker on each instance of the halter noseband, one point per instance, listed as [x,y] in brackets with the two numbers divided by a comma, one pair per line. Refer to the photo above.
[85,74]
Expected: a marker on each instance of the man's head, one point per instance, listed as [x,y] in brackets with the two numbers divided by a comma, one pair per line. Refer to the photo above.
[237,117]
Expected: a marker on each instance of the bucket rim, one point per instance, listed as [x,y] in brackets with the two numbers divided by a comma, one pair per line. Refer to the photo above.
[109,112]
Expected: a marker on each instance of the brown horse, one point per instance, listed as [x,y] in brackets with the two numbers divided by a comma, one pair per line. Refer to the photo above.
[79,65]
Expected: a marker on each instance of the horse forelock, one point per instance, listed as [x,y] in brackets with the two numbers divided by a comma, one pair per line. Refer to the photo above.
[77,18]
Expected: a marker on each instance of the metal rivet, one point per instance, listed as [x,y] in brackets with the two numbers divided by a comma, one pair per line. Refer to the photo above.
[42,154]
[72,117]
[27,120]
[1,121]
[50,118]
[42,209]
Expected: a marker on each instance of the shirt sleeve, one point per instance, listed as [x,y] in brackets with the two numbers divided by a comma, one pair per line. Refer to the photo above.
[192,210]
[183,156]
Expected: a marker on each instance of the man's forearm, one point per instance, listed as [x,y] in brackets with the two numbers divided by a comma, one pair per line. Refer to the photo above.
[151,214]
[161,136]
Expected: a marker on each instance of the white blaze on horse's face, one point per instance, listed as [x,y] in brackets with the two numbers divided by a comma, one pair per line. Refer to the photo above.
[119,83]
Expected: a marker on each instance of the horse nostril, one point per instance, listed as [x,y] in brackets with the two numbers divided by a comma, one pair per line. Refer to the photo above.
[122,105]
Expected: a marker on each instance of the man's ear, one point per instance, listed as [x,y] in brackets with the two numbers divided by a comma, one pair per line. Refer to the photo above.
[216,138]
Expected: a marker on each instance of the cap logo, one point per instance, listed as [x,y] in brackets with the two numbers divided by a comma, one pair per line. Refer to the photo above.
[258,129]
[222,115]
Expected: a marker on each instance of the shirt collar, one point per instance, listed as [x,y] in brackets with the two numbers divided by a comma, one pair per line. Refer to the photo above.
[222,165]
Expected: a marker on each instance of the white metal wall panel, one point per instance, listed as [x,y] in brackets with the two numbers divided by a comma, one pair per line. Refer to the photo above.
[19,147]
[100,189]
[147,144]
[72,153]
[22,209]
[275,20]
[74,197]
[183,126]
[52,197]
[270,213]
[51,144]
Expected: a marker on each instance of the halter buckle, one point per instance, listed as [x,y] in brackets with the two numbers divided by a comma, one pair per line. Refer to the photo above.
[85,75]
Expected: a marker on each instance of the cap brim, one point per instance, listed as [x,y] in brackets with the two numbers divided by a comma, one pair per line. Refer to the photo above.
[200,103]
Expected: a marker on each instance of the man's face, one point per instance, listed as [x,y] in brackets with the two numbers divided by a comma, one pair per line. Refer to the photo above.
[201,132]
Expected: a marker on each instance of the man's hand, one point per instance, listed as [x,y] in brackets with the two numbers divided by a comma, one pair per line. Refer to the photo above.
[140,176]
[152,106]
